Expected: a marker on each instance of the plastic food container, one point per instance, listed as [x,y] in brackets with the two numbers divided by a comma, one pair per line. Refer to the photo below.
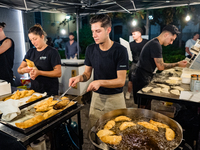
[195,83]
[26,81]
[186,78]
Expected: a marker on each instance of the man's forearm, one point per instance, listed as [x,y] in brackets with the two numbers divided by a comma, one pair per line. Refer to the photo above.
[113,83]
[84,78]
[170,65]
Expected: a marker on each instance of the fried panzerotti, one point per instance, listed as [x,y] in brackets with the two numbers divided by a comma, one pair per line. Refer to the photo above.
[64,97]
[48,102]
[122,118]
[62,104]
[50,113]
[44,108]
[148,125]
[29,93]
[104,132]
[109,124]
[158,124]
[70,104]
[33,98]
[125,125]
[30,122]
[45,105]
[20,94]
[114,139]
[30,63]
[169,134]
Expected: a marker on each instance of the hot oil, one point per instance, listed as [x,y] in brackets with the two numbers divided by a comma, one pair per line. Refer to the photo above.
[140,138]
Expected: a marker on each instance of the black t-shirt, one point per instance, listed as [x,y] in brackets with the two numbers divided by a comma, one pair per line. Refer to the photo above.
[136,49]
[6,62]
[44,60]
[151,50]
[106,64]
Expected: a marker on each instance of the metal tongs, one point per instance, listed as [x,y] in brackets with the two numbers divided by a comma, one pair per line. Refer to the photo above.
[59,99]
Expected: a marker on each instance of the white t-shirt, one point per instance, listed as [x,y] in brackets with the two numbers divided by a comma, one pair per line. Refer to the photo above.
[189,44]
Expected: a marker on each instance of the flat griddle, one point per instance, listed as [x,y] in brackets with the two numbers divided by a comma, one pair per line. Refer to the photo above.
[41,124]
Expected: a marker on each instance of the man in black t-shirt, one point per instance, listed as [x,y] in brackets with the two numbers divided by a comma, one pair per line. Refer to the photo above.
[136,47]
[110,63]
[151,57]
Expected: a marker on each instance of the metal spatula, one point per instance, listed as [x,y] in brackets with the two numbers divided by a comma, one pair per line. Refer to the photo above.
[59,98]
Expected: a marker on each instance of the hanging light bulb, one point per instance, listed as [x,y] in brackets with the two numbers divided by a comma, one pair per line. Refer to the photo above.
[187,18]
[134,22]
[63,31]
[67,17]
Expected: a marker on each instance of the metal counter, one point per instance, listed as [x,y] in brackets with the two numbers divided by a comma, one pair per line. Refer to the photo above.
[166,97]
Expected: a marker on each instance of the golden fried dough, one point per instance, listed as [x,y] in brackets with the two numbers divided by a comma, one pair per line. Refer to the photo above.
[7,98]
[104,132]
[122,118]
[169,134]
[114,139]
[125,125]
[16,95]
[47,102]
[53,102]
[23,93]
[148,125]
[43,108]
[109,124]
[33,98]
[20,94]
[70,104]
[30,122]
[29,93]
[64,97]
[50,113]
[62,103]
[158,124]
[30,63]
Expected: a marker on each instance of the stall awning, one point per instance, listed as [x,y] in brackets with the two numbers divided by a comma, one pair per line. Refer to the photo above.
[92,6]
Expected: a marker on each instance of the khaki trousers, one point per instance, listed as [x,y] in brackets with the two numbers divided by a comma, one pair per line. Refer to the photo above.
[102,104]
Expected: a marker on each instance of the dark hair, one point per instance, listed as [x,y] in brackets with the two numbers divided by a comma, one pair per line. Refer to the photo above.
[71,33]
[104,19]
[2,24]
[137,29]
[37,30]
[171,28]
[195,33]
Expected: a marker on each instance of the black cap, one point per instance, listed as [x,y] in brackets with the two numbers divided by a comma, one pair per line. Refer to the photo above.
[71,33]
[137,29]
[171,28]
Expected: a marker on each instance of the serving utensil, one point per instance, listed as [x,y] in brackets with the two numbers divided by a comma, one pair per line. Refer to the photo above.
[59,98]
[57,106]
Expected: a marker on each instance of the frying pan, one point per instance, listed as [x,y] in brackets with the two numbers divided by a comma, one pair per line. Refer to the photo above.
[135,114]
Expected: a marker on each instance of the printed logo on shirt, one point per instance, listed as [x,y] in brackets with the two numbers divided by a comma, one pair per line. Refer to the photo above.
[43,57]
[122,66]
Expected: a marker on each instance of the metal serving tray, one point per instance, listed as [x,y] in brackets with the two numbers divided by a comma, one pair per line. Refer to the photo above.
[41,124]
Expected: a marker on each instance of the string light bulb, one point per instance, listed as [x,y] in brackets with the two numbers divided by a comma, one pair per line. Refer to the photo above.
[187,18]
[134,22]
